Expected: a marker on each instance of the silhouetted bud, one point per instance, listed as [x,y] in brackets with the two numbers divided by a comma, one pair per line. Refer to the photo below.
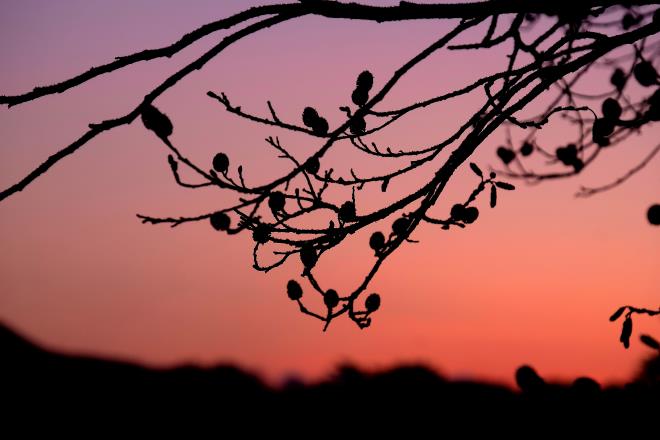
[320,127]
[400,226]
[471,214]
[476,169]
[312,165]
[156,121]
[626,331]
[528,380]
[492,175]
[493,196]
[276,201]
[618,313]
[309,116]
[506,155]
[650,342]
[308,256]
[331,298]
[654,106]
[372,303]
[601,129]
[567,154]
[611,109]
[221,163]
[628,21]
[220,221]
[526,149]
[618,79]
[457,211]
[653,214]
[347,212]
[365,80]
[504,185]
[577,165]
[293,290]
[360,96]
[358,125]
[645,74]
[377,241]
[261,233]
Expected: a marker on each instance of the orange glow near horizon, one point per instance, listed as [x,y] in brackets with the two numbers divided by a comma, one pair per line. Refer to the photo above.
[531,282]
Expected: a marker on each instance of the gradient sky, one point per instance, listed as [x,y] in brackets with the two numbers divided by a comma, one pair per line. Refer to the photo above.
[532,281]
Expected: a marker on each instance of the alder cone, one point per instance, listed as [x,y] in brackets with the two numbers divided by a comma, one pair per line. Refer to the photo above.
[220,221]
[156,121]
[645,74]
[309,116]
[331,298]
[377,241]
[276,201]
[611,109]
[221,163]
[506,155]
[293,290]
[365,80]
[308,256]
[372,303]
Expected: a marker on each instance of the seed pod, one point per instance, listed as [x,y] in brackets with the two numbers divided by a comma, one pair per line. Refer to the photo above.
[618,79]
[156,121]
[506,155]
[261,233]
[653,215]
[293,290]
[331,298]
[358,125]
[628,21]
[308,256]
[400,226]
[567,154]
[220,221]
[611,109]
[372,303]
[312,165]
[626,331]
[377,241]
[471,214]
[347,212]
[654,108]
[276,201]
[309,116]
[526,149]
[365,80]
[221,163]
[360,96]
[457,211]
[645,74]
[320,127]
[601,129]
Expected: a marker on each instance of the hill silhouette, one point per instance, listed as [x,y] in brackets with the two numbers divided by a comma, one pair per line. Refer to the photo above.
[37,382]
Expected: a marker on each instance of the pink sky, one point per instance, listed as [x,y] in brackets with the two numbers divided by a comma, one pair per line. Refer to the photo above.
[532,281]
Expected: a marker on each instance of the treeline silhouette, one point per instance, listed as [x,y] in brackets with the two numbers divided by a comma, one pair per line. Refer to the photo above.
[35,382]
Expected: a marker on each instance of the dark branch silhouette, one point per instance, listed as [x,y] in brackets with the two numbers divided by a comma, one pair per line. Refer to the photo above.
[554,50]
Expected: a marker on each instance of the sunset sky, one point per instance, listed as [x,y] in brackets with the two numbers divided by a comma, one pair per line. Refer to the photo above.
[532,281]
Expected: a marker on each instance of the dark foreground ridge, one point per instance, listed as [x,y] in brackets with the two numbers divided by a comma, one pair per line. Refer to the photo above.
[35,382]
